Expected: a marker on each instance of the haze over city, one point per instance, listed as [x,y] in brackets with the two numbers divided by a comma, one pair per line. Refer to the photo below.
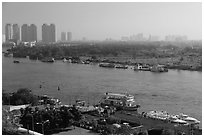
[98,21]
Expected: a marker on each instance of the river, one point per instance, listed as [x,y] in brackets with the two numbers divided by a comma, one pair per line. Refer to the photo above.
[175,91]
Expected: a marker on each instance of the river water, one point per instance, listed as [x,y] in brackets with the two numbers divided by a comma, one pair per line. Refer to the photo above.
[175,91]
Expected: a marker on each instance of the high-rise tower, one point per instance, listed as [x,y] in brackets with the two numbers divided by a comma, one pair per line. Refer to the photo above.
[28,33]
[48,33]
[69,36]
[12,32]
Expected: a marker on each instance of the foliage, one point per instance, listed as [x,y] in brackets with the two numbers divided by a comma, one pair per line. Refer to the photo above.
[22,96]
[134,50]
[8,127]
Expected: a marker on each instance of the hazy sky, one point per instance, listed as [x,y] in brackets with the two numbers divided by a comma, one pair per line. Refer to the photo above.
[99,21]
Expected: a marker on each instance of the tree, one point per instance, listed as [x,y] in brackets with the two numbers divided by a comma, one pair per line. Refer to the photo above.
[23,96]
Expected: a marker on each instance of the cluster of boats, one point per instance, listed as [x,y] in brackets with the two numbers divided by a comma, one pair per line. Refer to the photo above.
[127,102]
[155,68]
[139,67]
[111,65]
[180,119]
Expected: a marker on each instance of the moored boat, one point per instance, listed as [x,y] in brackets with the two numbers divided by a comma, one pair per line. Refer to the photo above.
[65,60]
[119,66]
[107,65]
[120,101]
[142,68]
[188,119]
[48,60]
[159,68]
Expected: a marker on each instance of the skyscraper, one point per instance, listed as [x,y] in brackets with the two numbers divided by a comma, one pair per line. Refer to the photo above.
[8,32]
[24,33]
[28,33]
[63,36]
[69,36]
[52,33]
[48,33]
[45,33]
[16,32]
[12,32]
[32,32]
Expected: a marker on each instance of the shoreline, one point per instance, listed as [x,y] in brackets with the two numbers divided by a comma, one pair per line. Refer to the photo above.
[132,62]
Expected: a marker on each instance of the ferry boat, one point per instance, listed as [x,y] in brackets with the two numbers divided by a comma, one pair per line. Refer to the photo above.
[120,101]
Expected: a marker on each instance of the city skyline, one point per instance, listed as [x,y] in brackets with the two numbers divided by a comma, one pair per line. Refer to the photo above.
[29,34]
[90,20]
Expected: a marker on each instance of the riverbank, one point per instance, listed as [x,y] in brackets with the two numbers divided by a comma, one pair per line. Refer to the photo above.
[182,56]
[180,63]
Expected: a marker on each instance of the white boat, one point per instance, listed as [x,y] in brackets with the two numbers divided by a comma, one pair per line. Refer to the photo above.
[120,101]
[190,120]
[179,121]
[65,60]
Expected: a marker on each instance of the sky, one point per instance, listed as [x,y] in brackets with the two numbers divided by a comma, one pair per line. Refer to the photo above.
[98,21]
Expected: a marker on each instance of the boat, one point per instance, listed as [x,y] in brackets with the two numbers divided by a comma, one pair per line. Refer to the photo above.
[65,60]
[16,61]
[180,119]
[87,62]
[120,101]
[83,108]
[159,68]
[188,119]
[119,66]
[48,60]
[142,68]
[107,65]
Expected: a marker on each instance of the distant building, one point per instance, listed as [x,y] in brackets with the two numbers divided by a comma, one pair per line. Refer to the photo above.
[69,36]
[8,32]
[3,38]
[139,37]
[84,39]
[63,36]
[153,38]
[24,33]
[124,38]
[48,33]
[16,32]
[12,32]
[52,33]
[28,33]
[176,38]
[32,33]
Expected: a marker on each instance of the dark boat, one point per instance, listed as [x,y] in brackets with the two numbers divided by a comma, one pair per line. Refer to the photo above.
[16,61]
[107,65]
